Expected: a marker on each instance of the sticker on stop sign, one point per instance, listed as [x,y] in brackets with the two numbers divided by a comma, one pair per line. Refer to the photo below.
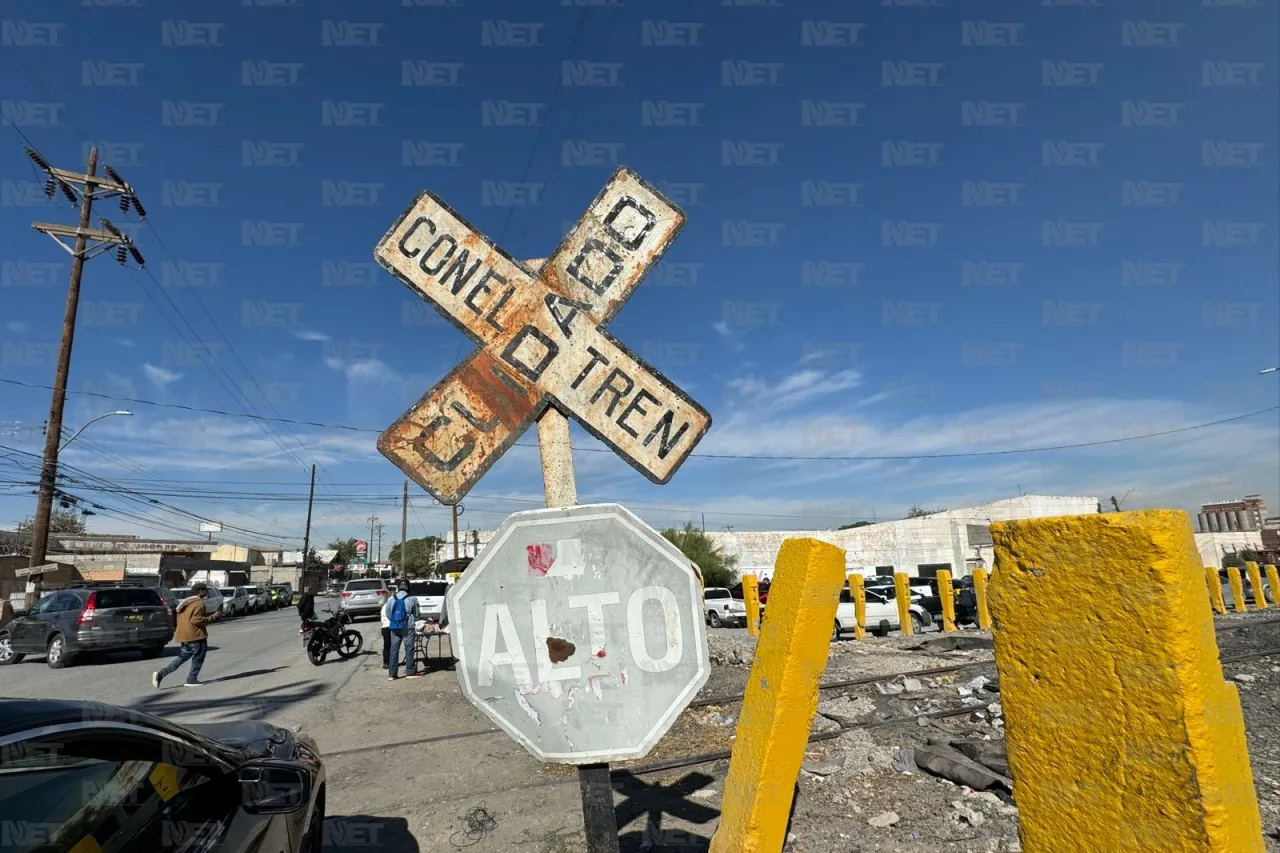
[580,633]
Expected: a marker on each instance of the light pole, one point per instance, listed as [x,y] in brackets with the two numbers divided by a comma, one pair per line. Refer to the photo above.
[76,434]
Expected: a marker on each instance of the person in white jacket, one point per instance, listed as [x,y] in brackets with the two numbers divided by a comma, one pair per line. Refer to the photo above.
[386,635]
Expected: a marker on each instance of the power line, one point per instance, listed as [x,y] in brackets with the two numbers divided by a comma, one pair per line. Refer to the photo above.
[753,456]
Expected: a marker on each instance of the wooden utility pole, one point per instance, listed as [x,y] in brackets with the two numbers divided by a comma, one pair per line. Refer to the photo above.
[89,243]
[454,509]
[306,537]
[404,531]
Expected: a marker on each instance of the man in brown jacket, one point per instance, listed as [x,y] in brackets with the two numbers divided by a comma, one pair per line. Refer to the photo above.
[192,633]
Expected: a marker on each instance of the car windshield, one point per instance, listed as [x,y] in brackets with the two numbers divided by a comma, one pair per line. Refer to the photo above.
[428,588]
[227,592]
[369,584]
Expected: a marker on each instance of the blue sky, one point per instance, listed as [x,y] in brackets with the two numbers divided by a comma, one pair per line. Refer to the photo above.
[914,229]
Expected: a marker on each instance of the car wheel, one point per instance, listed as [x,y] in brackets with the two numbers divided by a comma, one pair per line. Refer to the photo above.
[7,654]
[917,624]
[57,655]
[713,618]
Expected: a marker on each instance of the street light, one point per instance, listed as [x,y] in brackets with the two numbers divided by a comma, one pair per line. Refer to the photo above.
[76,434]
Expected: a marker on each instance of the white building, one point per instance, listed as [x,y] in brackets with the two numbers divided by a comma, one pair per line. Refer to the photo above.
[1214,546]
[958,540]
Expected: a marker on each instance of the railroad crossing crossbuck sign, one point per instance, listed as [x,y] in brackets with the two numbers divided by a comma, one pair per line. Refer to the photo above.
[579,631]
[542,340]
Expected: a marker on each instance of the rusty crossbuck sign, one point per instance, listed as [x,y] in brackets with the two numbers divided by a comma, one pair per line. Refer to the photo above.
[542,340]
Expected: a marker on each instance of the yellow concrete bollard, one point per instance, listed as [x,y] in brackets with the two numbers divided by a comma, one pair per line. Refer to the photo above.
[980,593]
[782,697]
[1214,583]
[1122,733]
[948,595]
[751,595]
[902,597]
[1237,589]
[858,592]
[1255,581]
[1273,582]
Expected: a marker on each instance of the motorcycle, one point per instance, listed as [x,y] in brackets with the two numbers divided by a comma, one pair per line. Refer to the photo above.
[321,638]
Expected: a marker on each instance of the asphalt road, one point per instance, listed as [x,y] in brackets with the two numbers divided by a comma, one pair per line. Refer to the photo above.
[399,777]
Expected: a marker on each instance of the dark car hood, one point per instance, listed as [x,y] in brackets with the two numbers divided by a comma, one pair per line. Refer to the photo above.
[251,737]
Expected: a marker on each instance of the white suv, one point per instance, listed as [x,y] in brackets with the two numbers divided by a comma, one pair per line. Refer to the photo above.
[882,613]
[722,608]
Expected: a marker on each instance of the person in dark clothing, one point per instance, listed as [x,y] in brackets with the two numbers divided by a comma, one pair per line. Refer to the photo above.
[307,607]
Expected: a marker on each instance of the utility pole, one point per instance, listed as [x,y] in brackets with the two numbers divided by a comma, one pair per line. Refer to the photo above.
[368,553]
[404,530]
[454,508]
[306,537]
[379,542]
[89,243]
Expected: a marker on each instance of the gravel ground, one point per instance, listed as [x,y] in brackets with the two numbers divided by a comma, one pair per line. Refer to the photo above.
[851,799]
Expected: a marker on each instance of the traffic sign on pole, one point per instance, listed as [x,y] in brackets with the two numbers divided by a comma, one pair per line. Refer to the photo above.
[579,632]
[542,340]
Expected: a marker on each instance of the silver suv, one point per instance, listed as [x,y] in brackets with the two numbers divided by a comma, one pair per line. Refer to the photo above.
[364,597]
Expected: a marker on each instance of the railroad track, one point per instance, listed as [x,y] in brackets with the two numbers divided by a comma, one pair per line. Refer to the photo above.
[708,758]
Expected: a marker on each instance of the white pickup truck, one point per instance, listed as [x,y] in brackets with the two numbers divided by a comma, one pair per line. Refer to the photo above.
[722,608]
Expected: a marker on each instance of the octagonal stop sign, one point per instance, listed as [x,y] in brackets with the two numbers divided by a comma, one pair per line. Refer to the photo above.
[579,631]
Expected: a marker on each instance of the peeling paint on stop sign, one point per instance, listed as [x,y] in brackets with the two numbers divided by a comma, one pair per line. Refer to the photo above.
[579,631]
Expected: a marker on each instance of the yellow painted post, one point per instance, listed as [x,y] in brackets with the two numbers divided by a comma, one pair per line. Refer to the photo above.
[782,698]
[751,595]
[902,597]
[1255,581]
[1273,581]
[1237,588]
[1215,589]
[980,593]
[948,596]
[858,592]
[1122,733]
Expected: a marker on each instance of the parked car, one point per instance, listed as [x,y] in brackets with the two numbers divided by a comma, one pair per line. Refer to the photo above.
[281,594]
[67,623]
[261,598]
[881,613]
[363,597]
[722,608]
[1246,588]
[212,599]
[430,597]
[235,601]
[762,590]
[230,787]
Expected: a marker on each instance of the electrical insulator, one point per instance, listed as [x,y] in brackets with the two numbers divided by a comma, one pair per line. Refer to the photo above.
[120,255]
[38,160]
[48,188]
[107,224]
[137,256]
[113,174]
[124,204]
[137,206]
[68,192]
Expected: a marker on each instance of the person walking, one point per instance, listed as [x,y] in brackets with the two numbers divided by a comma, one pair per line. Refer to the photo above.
[193,635]
[386,633]
[307,607]
[401,613]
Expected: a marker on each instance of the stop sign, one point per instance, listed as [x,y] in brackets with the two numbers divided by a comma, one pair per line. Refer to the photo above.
[579,631]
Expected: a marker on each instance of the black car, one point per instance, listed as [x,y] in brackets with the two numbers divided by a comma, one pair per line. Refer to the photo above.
[966,601]
[87,776]
[67,623]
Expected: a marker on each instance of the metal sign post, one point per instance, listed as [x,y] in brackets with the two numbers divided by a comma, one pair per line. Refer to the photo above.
[597,590]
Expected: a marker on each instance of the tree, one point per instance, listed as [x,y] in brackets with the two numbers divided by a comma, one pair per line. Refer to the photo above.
[312,561]
[717,568]
[1239,558]
[421,555]
[346,549]
[918,511]
[60,521]
[855,524]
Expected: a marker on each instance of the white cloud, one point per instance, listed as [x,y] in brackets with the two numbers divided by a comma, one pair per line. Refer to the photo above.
[799,387]
[731,338]
[16,326]
[310,335]
[159,376]
[124,342]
